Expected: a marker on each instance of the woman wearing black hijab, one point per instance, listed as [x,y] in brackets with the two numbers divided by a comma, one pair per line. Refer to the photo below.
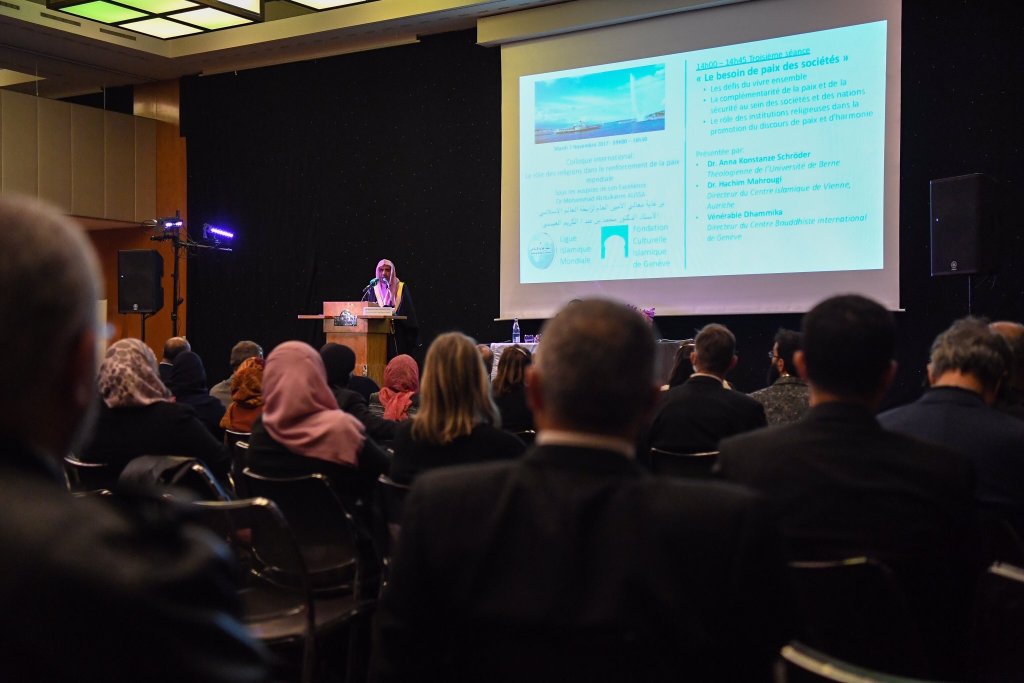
[340,361]
[188,383]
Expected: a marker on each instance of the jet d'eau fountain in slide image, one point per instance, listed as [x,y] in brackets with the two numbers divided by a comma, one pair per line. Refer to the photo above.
[600,104]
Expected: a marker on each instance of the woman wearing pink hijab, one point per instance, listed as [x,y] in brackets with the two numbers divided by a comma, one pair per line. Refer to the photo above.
[302,430]
[389,291]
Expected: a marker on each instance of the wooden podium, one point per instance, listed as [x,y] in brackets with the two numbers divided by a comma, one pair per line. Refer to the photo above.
[366,335]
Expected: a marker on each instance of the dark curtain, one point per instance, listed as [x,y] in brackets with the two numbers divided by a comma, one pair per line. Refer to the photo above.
[322,168]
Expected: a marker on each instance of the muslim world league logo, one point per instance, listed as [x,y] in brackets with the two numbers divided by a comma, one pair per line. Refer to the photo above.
[541,250]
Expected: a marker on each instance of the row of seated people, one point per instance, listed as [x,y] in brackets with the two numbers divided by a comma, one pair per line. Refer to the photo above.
[817,475]
[457,417]
[140,415]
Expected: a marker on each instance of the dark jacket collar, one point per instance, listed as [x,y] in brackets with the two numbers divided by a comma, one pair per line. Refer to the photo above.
[955,395]
[705,381]
[848,413]
[584,459]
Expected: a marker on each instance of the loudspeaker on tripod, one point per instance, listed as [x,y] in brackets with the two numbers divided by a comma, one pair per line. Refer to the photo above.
[139,289]
[963,226]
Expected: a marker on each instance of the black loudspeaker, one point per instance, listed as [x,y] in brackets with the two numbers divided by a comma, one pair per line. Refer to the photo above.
[963,229]
[138,281]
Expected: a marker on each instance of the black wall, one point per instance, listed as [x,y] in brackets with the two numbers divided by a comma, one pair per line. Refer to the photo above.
[324,167]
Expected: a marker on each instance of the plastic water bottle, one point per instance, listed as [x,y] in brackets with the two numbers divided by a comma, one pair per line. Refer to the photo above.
[515,330]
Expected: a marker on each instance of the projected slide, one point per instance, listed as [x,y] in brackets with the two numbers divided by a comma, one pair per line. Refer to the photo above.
[758,158]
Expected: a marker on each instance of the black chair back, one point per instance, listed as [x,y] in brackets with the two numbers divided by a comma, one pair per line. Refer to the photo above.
[277,600]
[801,664]
[527,436]
[392,502]
[174,475]
[84,476]
[998,629]
[689,465]
[854,610]
[323,527]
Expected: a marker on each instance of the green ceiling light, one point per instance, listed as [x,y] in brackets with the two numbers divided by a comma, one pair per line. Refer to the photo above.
[105,12]
[165,19]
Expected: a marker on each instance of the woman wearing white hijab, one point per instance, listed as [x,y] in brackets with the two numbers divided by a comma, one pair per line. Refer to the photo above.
[390,291]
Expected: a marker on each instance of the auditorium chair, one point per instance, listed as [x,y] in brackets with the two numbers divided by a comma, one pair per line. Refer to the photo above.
[238,443]
[339,557]
[801,664]
[324,528]
[527,436]
[83,477]
[854,609]
[997,638]
[280,607]
[689,465]
[177,476]
[391,502]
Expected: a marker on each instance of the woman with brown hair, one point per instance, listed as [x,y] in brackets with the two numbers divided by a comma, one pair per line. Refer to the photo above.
[457,421]
[510,389]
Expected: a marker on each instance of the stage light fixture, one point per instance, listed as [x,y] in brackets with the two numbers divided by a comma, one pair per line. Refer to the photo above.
[212,232]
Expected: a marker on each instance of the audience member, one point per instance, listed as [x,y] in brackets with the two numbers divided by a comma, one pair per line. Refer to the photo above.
[239,352]
[138,416]
[457,422]
[302,431]
[695,415]
[91,591]
[398,399]
[487,356]
[968,363]
[188,384]
[339,361]
[571,563]
[785,398]
[172,347]
[1011,398]
[509,389]
[844,487]
[246,396]
[681,368]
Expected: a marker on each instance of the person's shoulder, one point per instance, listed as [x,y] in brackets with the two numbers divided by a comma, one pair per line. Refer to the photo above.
[464,479]
[492,434]
[759,440]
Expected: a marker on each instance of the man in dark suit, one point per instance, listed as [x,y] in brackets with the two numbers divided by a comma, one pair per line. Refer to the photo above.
[845,487]
[694,416]
[572,563]
[172,347]
[92,590]
[968,364]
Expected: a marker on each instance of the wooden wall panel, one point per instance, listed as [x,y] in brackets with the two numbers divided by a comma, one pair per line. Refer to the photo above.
[19,161]
[118,167]
[55,152]
[145,169]
[87,156]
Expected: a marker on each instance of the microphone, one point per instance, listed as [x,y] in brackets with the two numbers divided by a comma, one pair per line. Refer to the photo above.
[372,283]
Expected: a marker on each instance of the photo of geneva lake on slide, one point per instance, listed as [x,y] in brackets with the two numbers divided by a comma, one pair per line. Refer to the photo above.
[597,105]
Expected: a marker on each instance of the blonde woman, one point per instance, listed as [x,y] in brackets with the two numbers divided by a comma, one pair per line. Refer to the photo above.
[457,422]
